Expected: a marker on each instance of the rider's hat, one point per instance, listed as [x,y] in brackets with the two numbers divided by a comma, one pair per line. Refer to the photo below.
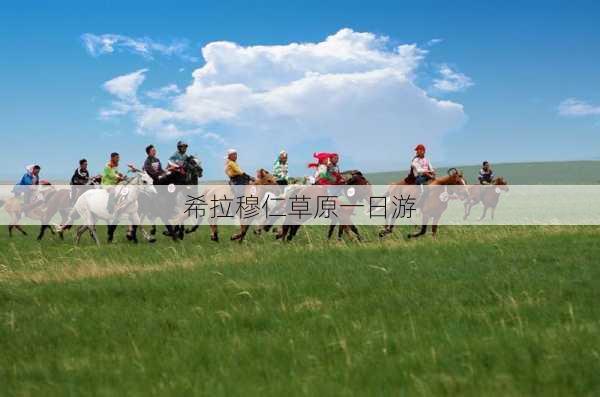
[420,146]
[229,153]
[181,143]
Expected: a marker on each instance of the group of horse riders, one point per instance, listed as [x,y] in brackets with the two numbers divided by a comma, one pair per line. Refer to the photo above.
[326,169]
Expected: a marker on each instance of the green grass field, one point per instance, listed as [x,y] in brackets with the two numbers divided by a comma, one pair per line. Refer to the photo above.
[478,311]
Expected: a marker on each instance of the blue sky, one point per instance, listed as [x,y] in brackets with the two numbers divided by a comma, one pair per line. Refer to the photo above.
[502,81]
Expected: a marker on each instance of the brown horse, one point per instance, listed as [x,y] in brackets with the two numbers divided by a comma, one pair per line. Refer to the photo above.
[432,206]
[263,178]
[49,202]
[312,193]
[487,195]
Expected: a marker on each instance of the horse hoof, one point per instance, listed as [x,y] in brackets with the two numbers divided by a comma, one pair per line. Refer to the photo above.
[129,238]
[152,240]
[214,238]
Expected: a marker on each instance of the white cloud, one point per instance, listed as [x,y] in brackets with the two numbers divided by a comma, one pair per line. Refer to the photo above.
[352,92]
[97,45]
[451,80]
[164,92]
[576,107]
[125,87]
[433,42]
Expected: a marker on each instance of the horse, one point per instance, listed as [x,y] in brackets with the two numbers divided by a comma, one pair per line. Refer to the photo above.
[268,185]
[353,178]
[92,205]
[432,205]
[47,202]
[487,195]
[151,207]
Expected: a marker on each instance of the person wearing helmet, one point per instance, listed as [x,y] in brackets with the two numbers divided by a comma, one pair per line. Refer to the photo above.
[420,167]
[178,159]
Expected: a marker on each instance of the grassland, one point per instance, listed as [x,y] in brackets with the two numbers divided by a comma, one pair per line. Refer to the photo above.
[478,311]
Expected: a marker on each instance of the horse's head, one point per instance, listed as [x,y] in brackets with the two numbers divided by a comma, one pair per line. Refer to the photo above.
[456,178]
[356,178]
[264,177]
[501,183]
[145,180]
[193,166]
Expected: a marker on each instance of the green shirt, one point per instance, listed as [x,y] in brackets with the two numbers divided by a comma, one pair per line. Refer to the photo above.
[110,175]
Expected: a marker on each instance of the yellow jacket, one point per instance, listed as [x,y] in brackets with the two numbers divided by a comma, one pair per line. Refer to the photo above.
[232,169]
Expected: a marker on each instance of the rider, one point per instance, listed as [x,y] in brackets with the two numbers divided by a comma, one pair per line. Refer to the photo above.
[334,169]
[152,165]
[178,159]
[111,176]
[30,178]
[486,174]
[233,170]
[420,167]
[81,176]
[280,168]
[327,172]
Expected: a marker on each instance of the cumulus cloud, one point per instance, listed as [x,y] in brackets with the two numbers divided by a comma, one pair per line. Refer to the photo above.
[451,80]
[97,45]
[352,92]
[574,107]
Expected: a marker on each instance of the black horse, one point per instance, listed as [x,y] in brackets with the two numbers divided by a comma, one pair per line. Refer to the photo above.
[151,207]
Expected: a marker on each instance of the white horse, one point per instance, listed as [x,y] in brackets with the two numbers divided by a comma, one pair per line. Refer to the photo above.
[92,205]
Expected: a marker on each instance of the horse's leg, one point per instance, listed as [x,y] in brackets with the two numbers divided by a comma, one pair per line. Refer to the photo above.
[434,226]
[294,229]
[484,213]
[341,229]
[330,231]
[355,231]
[283,233]
[467,208]
[42,230]
[134,238]
[80,231]
[94,235]
[423,228]
[10,228]
[135,221]
[149,237]
[180,232]
[192,229]
[214,232]
[240,236]
[111,232]
[19,228]
[493,212]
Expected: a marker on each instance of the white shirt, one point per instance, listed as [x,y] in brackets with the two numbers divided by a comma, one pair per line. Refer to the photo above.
[421,166]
